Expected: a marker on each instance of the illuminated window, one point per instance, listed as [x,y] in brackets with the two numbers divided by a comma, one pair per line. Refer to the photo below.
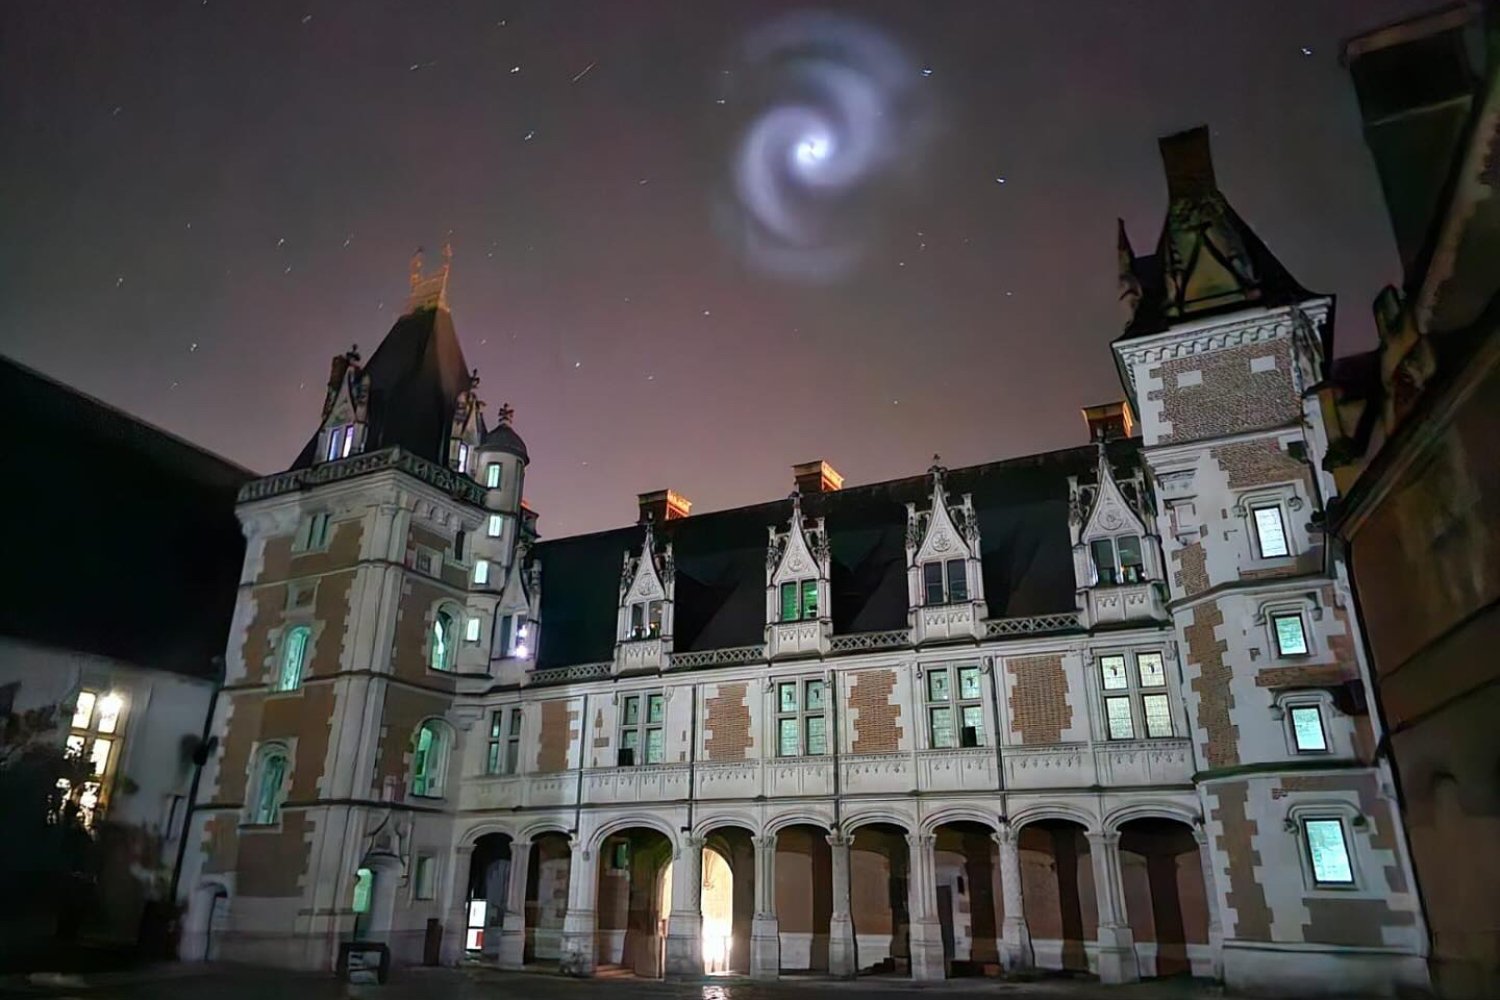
[269,785]
[481,572]
[444,640]
[1135,703]
[1307,729]
[496,525]
[1117,560]
[1270,531]
[945,583]
[463,457]
[1328,851]
[1291,637]
[429,759]
[94,736]
[471,630]
[955,713]
[492,475]
[801,725]
[293,658]
[504,751]
[645,620]
[340,442]
[799,600]
[641,719]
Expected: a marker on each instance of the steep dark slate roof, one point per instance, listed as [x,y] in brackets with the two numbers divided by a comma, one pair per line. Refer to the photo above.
[120,539]
[503,437]
[416,376]
[1026,557]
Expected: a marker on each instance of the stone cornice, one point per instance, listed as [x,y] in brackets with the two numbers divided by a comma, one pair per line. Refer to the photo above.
[458,486]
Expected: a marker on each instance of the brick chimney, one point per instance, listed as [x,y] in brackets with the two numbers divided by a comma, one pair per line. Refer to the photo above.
[663,505]
[816,477]
[1109,421]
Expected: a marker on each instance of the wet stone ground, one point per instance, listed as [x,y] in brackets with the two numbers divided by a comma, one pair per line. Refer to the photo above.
[240,983]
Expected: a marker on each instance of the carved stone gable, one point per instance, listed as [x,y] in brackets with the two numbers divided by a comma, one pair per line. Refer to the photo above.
[1108,512]
[800,552]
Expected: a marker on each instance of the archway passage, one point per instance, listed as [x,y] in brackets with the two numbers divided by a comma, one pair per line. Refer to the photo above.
[879,873]
[728,900]
[488,884]
[633,901]
[1057,891]
[804,897]
[966,866]
[1162,873]
[547,869]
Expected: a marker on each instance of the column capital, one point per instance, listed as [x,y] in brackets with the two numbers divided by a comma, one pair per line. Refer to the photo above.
[840,839]
[917,841]
[764,841]
[1104,838]
[692,841]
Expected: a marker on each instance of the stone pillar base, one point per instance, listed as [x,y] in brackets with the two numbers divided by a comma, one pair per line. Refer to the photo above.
[765,947]
[927,950]
[512,950]
[577,944]
[1015,946]
[1117,962]
[684,945]
[843,963]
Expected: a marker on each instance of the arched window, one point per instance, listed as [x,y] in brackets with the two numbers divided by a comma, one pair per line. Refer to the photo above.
[268,784]
[429,759]
[444,639]
[293,658]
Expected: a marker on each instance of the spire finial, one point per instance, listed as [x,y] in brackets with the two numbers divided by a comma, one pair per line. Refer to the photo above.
[937,469]
[352,355]
[505,413]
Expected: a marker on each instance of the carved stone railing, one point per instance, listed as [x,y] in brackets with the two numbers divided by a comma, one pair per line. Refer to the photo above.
[453,483]
[860,641]
[1035,625]
[573,672]
[729,656]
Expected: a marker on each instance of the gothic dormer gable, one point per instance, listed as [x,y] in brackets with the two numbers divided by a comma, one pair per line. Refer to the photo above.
[943,531]
[647,575]
[345,408]
[800,552]
[1103,508]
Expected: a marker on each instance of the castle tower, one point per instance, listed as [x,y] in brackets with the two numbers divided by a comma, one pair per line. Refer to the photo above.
[374,570]
[1309,864]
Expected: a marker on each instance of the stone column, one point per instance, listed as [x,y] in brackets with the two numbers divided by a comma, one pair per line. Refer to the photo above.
[1211,901]
[513,924]
[765,932]
[579,922]
[1015,936]
[685,921]
[1116,944]
[925,932]
[842,959]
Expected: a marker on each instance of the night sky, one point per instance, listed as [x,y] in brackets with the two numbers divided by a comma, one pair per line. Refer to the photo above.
[205,200]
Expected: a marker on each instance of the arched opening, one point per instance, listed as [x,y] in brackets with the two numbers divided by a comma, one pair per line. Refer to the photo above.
[1057,892]
[633,901]
[728,900]
[804,897]
[966,865]
[879,874]
[488,887]
[547,872]
[1162,874]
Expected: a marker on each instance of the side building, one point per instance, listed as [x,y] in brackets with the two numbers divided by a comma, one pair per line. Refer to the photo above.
[1099,709]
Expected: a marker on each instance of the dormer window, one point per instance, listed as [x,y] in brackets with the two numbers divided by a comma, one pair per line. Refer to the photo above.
[645,619]
[799,600]
[945,582]
[463,457]
[1117,560]
[340,441]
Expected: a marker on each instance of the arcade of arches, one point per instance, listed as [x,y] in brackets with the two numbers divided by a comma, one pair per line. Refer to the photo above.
[966,898]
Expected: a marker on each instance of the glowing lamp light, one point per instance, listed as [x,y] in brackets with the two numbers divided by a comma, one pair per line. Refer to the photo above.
[522,652]
[813,150]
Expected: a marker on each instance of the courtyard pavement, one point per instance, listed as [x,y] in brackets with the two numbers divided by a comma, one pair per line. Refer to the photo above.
[225,982]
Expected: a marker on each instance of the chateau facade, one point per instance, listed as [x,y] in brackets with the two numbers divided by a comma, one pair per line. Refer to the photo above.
[1102,709]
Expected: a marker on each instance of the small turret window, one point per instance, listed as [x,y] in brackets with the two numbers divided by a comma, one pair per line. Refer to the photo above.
[1117,560]
[340,441]
[463,457]
[945,583]
[492,475]
[799,600]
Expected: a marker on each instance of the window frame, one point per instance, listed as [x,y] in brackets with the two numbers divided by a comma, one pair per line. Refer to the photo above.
[642,727]
[83,739]
[313,532]
[495,526]
[462,457]
[803,608]
[647,609]
[258,788]
[481,575]
[945,575]
[1116,570]
[473,630]
[955,704]
[434,759]
[450,658]
[800,713]
[503,748]
[340,442]
[493,475]
[1302,632]
[1340,815]
[304,632]
[1135,693]
[1279,505]
[424,877]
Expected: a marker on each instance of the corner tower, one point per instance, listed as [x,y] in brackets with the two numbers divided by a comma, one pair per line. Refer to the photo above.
[370,597]
[1220,351]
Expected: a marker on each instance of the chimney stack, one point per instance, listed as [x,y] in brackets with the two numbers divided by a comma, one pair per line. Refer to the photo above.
[663,505]
[1109,421]
[816,477]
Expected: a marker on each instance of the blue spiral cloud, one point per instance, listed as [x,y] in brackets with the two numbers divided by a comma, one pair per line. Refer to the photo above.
[837,116]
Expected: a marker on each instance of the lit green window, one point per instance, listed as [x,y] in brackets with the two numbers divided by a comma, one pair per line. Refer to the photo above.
[429,756]
[789,743]
[800,726]
[364,881]
[1329,851]
[444,639]
[789,610]
[268,787]
[809,598]
[293,658]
